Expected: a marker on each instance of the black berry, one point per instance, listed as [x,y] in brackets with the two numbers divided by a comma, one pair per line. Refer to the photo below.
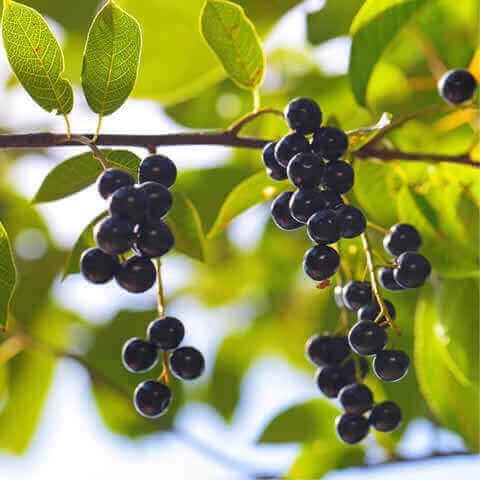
[352,221]
[457,86]
[385,417]
[113,179]
[288,146]
[154,239]
[402,238]
[151,398]
[281,212]
[158,200]
[385,276]
[274,170]
[321,262]
[115,235]
[356,398]
[357,294]
[369,313]
[187,363]
[137,274]
[305,170]
[351,429]
[338,176]
[323,227]
[159,169]
[97,266]
[391,365]
[304,203]
[413,270]
[138,355]
[354,368]
[330,142]
[367,338]
[303,115]
[331,379]
[325,350]
[331,200]
[166,333]
[128,202]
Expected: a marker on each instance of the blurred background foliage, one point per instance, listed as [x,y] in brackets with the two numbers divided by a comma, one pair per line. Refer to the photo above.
[439,325]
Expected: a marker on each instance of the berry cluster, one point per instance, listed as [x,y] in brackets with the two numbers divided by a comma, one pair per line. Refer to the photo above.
[152,397]
[135,223]
[310,164]
[457,86]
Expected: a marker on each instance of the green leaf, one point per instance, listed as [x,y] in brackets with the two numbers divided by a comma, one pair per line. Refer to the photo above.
[36,57]
[84,242]
[233,38]
[358,138]
[256,189]
[8,276]
[81,171]
[449,348]
[374,26]
[111,59]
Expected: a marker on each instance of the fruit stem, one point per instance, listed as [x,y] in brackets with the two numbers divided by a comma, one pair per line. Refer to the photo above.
[235,127]
[165,375]
[161,304]
[381,257]
[377,227]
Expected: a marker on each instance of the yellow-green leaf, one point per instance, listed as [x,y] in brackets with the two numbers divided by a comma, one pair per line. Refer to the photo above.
[233,38]
[8,276]
[358,138]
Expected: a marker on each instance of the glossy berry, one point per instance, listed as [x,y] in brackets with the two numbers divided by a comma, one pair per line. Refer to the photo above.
[321,262]
[166,333]
[413,270]
[274,170]
[338,294]
[151,398]
[139,356]
[281,214]
[391,365]
[304,203]
[158,200]
[159,169]
[352,221]
[137,274]
[457,86]
[351,429]
[356,294]
[331,379]
[288,146]
[97,266]
[368,313]
[385,417]
[355,368]
[305,170]
[331,200]
[113,179]
[367,338]
[402,238]
[187,363]
[128,202]
[323,227]
[325,350]
[115,235]
[356,398]
[154,239]
[385,276]
[303,115]
[338,177]
[330,142]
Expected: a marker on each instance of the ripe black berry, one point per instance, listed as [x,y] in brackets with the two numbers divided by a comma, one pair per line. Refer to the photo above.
[303,115]
[166,333]
[139,356]
[331,200]
[113,179]
[128,202]
[158,200]
[324,350]
[385,276]
[402,238]
[323,227]
[115,235]
[354,368]
[154,239]
[330,142]
[352,221]
[331,379]
[305,170]
[457,86]
[187,363]
[357,294]
[97,266]
[338,176]
[274,170]
[281,212]
[391,365]
[385,417]
[351,429]
[321,262]
[137,274]
[159,169]
[413,270]
[368,313]
[151,398]
[288,146]
[304,203]
[367,338]
[356,398]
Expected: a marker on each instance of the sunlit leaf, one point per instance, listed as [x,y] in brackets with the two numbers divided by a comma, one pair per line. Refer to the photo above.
[8,276]
[358,138]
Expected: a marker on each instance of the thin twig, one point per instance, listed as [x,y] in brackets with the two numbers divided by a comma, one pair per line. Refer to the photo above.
[235,128]
[95,150]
